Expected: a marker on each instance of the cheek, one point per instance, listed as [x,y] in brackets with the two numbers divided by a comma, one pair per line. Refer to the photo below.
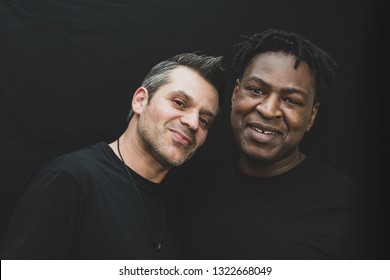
[239,110]
[240,106]
[298,121]
[201,137]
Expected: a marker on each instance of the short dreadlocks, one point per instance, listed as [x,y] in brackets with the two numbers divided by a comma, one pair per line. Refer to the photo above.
[322,65]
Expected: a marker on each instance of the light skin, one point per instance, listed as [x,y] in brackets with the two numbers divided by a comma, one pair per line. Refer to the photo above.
[272,108]
[167,129]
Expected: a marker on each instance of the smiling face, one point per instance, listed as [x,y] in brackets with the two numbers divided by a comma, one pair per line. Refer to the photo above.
[174,123]
[272,108]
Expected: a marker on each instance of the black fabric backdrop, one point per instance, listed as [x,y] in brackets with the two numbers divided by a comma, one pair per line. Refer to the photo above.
[68,70]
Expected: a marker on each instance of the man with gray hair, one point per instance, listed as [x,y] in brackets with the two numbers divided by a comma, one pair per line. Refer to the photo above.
[106,201]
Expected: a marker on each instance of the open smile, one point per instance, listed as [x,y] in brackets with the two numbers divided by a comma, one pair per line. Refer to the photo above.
[265,130]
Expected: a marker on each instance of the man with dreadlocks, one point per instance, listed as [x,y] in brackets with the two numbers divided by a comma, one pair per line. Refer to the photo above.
[271,201]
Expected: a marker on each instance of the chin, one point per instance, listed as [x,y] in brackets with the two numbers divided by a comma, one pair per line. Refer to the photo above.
[178,156]
[174,162]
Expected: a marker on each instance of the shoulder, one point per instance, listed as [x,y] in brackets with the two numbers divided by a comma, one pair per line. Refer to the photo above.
[326,172]
[88,153]
[72,167]
[328,178]
[82,160]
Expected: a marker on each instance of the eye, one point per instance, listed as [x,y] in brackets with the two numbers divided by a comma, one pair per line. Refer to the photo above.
[204,122]
[179,103]
[292,101]
[255,91]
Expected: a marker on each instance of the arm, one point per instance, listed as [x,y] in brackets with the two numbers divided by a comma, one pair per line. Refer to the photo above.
[45,222]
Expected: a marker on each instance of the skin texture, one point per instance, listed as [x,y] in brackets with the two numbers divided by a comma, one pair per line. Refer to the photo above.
[167,129]
[272,108]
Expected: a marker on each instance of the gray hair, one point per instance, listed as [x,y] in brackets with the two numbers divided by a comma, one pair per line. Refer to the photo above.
[208,67]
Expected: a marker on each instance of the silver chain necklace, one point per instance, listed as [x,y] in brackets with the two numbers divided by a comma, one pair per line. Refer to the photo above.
[157,243]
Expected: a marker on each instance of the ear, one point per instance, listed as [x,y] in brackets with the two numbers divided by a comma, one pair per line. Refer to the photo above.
[235,89]
[140,99]
[313,116]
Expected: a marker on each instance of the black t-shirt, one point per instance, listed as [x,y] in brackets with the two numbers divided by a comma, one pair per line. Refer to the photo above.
[84,206]
[310,212]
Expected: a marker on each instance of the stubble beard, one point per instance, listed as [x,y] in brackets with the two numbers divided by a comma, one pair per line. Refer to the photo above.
[155,145]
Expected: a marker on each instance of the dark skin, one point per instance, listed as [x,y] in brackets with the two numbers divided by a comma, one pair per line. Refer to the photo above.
[272,108]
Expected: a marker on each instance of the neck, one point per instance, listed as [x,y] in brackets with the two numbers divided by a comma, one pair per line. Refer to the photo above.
[263,168]
[137,158]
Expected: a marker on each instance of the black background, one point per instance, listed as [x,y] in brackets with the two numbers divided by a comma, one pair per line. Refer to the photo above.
[68,70]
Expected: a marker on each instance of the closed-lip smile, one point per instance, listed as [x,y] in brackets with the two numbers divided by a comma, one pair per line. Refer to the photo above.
[183,137]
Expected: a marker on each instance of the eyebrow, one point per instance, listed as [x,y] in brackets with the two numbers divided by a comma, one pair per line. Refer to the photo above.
[285,90]
[191,100]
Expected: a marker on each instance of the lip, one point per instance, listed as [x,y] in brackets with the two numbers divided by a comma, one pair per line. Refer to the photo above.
[182,137]
[265,130]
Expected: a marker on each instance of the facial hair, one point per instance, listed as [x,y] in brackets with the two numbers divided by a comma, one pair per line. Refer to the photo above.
[157,147]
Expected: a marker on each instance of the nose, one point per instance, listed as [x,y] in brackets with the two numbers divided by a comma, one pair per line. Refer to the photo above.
[191,119]
[269,107]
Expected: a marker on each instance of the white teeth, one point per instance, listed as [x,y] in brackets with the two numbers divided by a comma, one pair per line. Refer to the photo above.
[266,132]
